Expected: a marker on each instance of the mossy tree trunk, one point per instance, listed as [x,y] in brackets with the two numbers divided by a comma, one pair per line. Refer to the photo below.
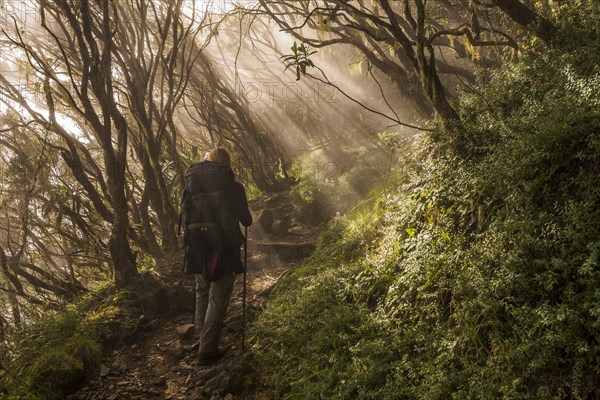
[529,19]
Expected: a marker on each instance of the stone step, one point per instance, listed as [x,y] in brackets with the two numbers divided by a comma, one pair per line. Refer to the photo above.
[285,250]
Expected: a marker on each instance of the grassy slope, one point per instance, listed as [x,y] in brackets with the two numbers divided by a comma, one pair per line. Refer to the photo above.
[475,279]
[53,356]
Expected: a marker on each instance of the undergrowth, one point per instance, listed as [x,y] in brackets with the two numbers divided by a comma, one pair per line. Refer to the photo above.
[327,184]
[52,357]
[476,278]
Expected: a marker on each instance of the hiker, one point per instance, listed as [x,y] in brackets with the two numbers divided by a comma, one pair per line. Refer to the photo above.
[216,274]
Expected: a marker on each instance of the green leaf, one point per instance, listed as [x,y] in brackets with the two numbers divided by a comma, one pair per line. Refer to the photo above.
[445,235]
[299,59]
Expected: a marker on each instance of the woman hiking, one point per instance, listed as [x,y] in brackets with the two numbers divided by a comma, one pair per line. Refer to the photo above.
[214,205]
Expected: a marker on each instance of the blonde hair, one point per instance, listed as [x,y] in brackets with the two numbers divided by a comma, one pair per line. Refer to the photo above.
[219,155]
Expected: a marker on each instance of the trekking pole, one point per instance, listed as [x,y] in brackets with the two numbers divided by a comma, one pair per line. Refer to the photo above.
[244,291]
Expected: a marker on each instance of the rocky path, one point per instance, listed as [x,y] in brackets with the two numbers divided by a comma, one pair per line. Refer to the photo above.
[161,363]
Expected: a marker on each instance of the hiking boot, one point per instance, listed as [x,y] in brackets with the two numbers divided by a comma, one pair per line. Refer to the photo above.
[212,357]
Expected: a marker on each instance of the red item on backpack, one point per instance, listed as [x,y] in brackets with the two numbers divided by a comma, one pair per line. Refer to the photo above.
[212,264]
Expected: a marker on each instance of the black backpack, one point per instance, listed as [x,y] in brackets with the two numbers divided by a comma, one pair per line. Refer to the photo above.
[211,229]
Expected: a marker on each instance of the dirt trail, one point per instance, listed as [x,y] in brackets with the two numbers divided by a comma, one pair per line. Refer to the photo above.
[161,363]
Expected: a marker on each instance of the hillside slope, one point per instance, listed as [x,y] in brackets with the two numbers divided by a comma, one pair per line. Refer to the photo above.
[473,277]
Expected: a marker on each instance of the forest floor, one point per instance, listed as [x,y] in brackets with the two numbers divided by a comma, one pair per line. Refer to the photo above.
[162,362]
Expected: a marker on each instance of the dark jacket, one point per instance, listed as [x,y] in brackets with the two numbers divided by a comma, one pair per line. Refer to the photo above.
[240,204]
[229,259]
[232,262]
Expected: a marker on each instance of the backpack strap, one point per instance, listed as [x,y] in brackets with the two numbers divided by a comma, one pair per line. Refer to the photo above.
[184,197]
[216,193]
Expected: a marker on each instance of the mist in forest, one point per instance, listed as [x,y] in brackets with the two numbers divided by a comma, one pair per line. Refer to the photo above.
[87,136]
[416,180]
[245,55]
[104,106]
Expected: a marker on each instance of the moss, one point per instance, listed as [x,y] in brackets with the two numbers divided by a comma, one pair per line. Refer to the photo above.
[55,373]
[59,351]
[85,349]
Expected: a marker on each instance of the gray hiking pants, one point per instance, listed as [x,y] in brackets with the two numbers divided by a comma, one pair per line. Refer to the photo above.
[212,299]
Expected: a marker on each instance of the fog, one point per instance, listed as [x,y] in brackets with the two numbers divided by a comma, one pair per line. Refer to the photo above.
[97,118]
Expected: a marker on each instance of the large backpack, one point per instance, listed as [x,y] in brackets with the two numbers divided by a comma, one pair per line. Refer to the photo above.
[211,230]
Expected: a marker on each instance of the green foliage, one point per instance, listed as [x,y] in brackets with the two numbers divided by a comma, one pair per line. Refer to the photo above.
[299,59]
[54,355]
[478,278]
[85,349]
[59,363]
[55,371]
[252,191]
[328,185]
[145,262]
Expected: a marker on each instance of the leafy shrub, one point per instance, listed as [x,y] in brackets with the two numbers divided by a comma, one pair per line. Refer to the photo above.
[55,373]
[85,349]
[328,185]
[480,279]
[55,354]
[52,358]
